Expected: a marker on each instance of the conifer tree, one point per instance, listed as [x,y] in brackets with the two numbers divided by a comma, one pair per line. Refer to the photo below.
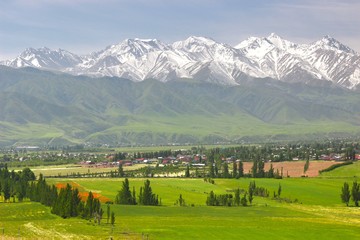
[252,187]
[124,195]
[147,197]
[355,193]
[271,171]
[306,166]
[187,172]
[237,197]
[121,171]
[134,197]
[108,212]
[241,169]
[112,218]
[88,211]
[211,199]
[345,194]
[181,201]
[6,190]
[234,173]
[243,200]
[279,190]
[254,169]
[261,171]
[211,170]
[226,171]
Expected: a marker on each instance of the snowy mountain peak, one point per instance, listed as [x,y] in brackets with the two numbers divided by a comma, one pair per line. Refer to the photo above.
[45,58]
[273,36]
[205,59]
[140,45]
[280,42]
[329,42]
[147,43]
[192,41]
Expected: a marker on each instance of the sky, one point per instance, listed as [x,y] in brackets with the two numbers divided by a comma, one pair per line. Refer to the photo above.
[85,26]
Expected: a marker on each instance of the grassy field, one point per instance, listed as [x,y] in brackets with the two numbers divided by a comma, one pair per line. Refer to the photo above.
[352,170]
[170,129]
[318,213]
[55,170]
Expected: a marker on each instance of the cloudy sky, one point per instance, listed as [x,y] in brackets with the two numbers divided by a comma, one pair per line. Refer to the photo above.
[83,26]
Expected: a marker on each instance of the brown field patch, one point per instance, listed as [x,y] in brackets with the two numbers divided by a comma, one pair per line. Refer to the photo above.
[63,185]
[102,199]
[60,185]
[83,195]
[295,168]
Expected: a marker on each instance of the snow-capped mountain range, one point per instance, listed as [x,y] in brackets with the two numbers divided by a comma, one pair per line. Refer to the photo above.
[205,59]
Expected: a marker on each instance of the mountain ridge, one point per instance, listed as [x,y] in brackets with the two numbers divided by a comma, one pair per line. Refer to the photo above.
[41,107]
[208,60]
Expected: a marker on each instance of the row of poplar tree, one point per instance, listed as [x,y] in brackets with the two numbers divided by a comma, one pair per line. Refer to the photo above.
[15,184]
[237,199]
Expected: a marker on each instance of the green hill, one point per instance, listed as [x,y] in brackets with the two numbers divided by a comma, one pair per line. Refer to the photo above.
[40,107]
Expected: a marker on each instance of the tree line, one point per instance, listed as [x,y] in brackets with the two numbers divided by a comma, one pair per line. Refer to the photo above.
[65,203]
[242,197]
[15,184]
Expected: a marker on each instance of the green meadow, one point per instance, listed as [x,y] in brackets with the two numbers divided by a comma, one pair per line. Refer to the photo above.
[316,211]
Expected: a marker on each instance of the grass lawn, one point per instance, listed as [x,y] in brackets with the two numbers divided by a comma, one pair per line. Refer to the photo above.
[318,214]
[348,171]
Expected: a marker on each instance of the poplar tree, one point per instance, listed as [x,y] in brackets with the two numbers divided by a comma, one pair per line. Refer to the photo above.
[241,169]
[234,173]
[237,197]
[226,171]
[121,170]
[355,193]
[345,194]
[279,190]
[112,218]
[108,212]
[254,169]
[187,172]
[252,187]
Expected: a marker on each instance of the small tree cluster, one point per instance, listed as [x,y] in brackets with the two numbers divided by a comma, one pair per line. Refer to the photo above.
[68,204]
[261,192]
[15,184]
[125,196]
[219,200]
[180,201]
[40,191]
[354,194]
[146,196]
[209,180]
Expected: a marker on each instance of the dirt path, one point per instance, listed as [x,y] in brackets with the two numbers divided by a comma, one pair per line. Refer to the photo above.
[40,232]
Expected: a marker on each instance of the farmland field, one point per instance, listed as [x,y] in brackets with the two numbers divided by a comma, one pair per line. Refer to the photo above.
[316,211]
[57,170]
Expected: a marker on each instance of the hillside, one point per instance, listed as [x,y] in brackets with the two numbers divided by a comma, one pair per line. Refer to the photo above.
[40,107]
